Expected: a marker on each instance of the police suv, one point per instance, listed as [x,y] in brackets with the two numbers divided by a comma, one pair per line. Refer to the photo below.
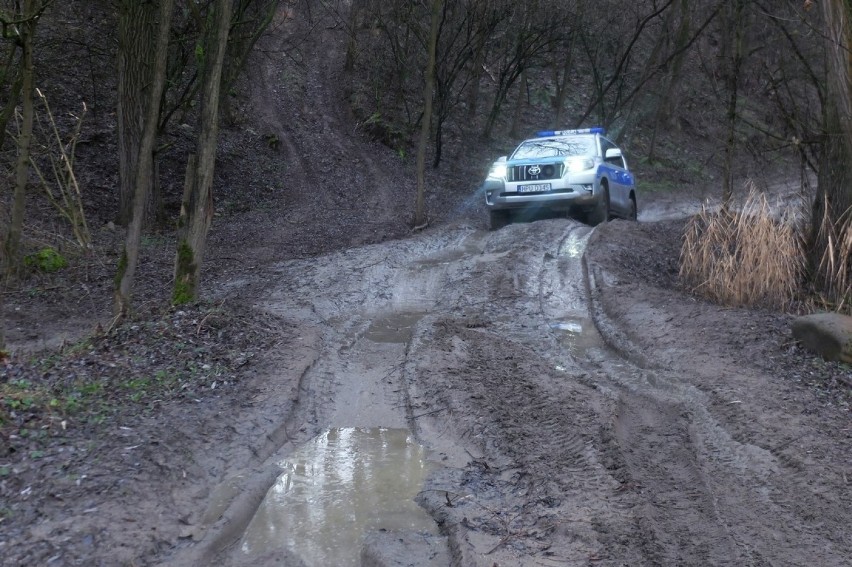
[571,171]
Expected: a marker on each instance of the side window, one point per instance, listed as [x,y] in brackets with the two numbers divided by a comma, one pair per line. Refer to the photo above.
[616,161]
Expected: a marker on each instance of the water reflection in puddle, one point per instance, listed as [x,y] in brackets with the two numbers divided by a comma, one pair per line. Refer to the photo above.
[338,487]
[579,335]
[574,246]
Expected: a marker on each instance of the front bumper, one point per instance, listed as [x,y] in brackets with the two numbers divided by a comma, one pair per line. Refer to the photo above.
[565,194]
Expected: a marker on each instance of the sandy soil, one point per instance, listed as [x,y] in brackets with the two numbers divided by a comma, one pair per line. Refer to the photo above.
[583,408]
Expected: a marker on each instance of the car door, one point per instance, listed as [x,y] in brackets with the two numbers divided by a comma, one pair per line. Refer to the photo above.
[621,180]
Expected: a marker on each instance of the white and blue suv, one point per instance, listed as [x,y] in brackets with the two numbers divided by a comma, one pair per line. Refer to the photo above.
[571,171]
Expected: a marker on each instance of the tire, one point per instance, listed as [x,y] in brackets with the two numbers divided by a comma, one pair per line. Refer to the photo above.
[633,214]
[499,219]
[601,211]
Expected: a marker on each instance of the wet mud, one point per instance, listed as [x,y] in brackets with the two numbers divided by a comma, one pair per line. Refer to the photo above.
[548,442]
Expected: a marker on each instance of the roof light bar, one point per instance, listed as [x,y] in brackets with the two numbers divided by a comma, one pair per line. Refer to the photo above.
[593,130]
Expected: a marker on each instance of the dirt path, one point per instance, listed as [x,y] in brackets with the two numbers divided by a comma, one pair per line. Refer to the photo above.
[553,447]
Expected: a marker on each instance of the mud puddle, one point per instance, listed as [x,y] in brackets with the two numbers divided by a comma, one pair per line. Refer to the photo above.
[578,335]
[342,485]
[394,328]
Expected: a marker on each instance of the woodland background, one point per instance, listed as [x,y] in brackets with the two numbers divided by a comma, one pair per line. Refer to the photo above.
[111,110]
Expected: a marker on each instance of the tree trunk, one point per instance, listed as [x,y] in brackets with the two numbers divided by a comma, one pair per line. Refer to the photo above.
[2,322]
[439,141]
[26,31]
[419,208]
[519,107]
[476,79]
[14,92]
[732,81]
[503,85]
[136,45]
[831,208]
[563,85]
[197,210]
[352,42]
[667,104]
[144,161]
[3,281]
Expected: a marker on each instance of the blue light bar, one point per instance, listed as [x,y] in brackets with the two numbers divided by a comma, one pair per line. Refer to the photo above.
[593,130]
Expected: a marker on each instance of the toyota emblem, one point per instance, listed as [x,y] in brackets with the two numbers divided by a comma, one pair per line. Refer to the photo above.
[534,170]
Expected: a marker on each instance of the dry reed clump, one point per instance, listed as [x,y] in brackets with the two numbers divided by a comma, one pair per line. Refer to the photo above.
[743,258]
[834,270]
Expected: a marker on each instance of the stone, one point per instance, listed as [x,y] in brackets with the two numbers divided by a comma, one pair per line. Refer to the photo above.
[827,334]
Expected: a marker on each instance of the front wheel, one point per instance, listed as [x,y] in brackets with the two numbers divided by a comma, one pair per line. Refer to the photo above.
[633,214]
[601,211]
[499,219]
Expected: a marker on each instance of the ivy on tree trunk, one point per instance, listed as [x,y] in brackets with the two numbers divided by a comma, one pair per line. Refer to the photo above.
[197,208]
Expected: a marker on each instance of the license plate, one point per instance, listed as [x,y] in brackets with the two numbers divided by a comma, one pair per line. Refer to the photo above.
[535,188]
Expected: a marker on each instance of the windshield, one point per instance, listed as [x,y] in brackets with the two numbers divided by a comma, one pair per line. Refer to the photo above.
[555,147]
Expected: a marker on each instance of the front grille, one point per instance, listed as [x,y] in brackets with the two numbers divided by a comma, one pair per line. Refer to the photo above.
[535,171]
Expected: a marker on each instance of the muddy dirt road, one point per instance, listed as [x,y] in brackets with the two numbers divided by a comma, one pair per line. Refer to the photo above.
[546,446]
[546,393]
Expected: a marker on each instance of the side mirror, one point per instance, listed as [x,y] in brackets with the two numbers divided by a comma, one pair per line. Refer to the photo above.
[613,153]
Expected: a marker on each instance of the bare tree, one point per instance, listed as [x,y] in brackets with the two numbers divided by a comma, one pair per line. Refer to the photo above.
[734,26]
[463,32]
[144,161]
[668,100]
[419,209]
[11,80]
[197,207]
[611,55]
[137,31]
[534,30]
[22,27]
[833,204]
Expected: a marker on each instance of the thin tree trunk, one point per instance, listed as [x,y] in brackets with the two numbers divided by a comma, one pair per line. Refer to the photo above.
[834,197]
[197,213]
[562,86]
[14,94]
[144,168]
[476,79]
[2,322]
[3,281]
[135,59]
[503,87]
[352,43]
[519,107]
[419,208]
[733,80]
[22,165]
[667,104]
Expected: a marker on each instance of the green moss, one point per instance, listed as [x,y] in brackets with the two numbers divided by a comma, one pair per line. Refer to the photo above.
[184,291]
[46,260]
[122,267]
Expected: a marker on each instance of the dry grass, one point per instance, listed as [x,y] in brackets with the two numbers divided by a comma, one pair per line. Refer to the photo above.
[743,258]
[834,271]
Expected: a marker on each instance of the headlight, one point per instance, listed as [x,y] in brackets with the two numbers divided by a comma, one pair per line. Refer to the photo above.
[574,165]
[497,171]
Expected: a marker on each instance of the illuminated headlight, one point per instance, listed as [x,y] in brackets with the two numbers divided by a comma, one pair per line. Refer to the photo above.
[574,165]
[497,171]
